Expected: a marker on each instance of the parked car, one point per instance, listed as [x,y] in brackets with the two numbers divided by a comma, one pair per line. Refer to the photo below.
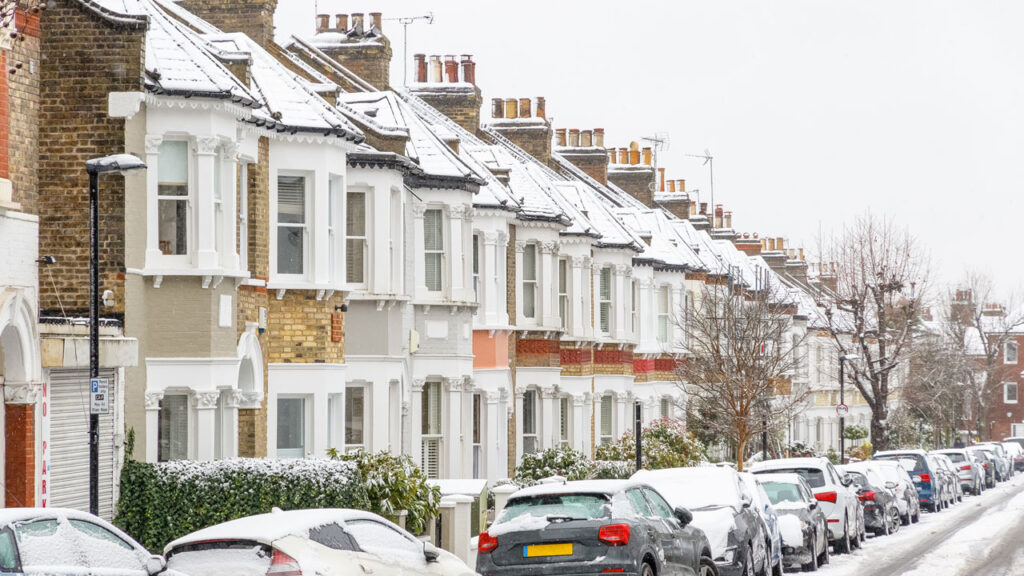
[987,465]
[876,495]
[952,475]
[906,494]
[802,522]
[325,541]
[61,542]
[1018,440]
[770,527]
[839,504]
[1016,454]
[722,507]
[999,456]
[969,470]
[592,527]
[929,485]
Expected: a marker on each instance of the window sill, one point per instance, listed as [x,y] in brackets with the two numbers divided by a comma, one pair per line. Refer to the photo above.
[212,277]
[324,290]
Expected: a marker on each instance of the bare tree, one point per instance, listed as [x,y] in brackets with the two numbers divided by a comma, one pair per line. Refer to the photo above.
[934,393]
[983,323]
[872,307]
[742,351]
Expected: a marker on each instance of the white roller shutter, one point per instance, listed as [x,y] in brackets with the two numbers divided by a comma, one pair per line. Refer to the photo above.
[69,442]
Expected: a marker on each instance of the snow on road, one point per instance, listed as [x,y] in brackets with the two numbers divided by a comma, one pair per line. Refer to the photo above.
[980,536]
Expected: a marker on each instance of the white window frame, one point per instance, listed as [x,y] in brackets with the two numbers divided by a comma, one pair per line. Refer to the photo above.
[307,423]
[189,426]
[477,408]
[243,217]
[1007,347]
[634,316]
[564,279]
[666,407]
[428,438]
[531,400]
[477,256]
[180,260]
[1007,386]
[440,252]
[363,239]
[307,225]
[663,296]
[606,313]
[606,435]
[364,445]
[565,404]
[529,282]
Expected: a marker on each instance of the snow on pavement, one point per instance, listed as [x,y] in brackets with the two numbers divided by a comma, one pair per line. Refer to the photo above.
[946,543]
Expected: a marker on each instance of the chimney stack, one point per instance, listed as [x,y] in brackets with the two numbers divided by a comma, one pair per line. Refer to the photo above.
[586,138]
[435,68]
[468,69]
[574,138]
[524,108]
[375,18]
[341,22]
[357,23]
[323,22]
[599,137]
[451,68]
[421,67]
[560,136]
[511,108]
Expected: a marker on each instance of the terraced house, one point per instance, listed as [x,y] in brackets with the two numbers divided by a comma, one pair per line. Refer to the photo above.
[315,260]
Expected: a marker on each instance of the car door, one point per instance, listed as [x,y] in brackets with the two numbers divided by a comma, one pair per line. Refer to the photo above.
[77,547]
[653,528]
[680,549]
[752,521]
[850,502]
[400,551]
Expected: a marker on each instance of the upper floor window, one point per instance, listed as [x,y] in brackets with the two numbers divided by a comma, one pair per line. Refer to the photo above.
[433,249]
[605,300]
[173,197]
[606,419]
[663,314]
[476,267]
[530,281]
[1010,392]
[291,225]
[355,237]
[563,292]
[633,315]
[1010,353]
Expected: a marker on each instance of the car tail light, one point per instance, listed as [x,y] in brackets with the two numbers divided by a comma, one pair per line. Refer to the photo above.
[282,564]
[486,543]
[985,464]
[869,495]
[614,534]
[826,497]
[965,467]
[926,478]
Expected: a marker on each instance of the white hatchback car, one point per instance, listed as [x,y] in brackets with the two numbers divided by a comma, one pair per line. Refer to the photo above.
[328,542]
[840,505]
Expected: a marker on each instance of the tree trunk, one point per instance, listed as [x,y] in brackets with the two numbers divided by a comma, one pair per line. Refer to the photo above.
[880,427]
[741,447]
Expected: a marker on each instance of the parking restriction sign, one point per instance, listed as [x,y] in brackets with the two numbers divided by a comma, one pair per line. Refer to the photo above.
[842,409]
[99,396]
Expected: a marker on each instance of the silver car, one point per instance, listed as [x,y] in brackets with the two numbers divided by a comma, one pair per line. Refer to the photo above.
[907,501]
[969,469]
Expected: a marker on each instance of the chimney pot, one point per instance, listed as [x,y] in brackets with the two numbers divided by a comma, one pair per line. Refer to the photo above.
[435,69]
[375,18]
[560,136]
[661,179]
[541,110]
[647,156]
[771,244]
[634,157]
[511,108]
[671,186]
[357,22]
[497,108]
[634,146]
[451,68]
[612,156]
[599,137]
[586,138]
[704,208]
[468,69]
[681,185]
[728,219]
[323,22]
[421,67]
[524,108]
[341,22]
[623,156]
[574,138]
[693,209]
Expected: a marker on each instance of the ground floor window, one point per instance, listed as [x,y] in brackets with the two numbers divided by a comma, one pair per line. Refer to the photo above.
[529,422]
[477,434]
[666,408]
[606,419]
[291,427]
[172,431]
[431,429]
[564,411]
[355,421]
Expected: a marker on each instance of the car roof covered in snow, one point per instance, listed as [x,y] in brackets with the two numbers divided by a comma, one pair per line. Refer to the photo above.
[784,463]
[577,487]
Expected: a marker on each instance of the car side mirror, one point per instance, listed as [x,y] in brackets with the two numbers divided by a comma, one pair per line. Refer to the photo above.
[814,504]
[846,481]
[684,516]
[430,552]
[155,565]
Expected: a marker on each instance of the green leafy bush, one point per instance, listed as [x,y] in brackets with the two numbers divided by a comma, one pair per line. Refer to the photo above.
[560,461]
[162,502]
[395,483]
[665,443]
[612,470]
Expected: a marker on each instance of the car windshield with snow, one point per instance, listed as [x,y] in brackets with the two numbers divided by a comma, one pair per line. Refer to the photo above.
[722,507]
[592,527]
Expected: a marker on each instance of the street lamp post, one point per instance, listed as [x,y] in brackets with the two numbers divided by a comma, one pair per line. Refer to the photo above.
[95,167]
[842,401]
[638,424]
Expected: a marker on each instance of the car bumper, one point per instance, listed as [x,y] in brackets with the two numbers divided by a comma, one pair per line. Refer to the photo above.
[796,556]
[734,568]
[557,570]
[874,518]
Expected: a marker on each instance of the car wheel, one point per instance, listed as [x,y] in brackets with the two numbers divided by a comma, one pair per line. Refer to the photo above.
[824,556]
[917,513]
[748,565]
[707,566]
[812,566]
[896,521]
[777,569]
[843,546]
[646,570]
[766,567]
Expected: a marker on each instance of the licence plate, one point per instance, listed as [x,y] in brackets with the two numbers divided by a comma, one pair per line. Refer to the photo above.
[538,550]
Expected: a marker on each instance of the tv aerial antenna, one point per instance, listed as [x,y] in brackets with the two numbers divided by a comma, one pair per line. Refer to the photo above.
[709,161]
[659,141]
[405,21]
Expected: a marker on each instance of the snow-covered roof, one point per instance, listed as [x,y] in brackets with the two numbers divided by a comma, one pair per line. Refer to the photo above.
[119,11]
[666,248]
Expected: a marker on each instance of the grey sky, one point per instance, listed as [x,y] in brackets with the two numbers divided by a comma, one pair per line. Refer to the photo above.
[815,111]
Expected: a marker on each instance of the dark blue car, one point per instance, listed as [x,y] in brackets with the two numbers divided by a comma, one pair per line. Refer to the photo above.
[926,480]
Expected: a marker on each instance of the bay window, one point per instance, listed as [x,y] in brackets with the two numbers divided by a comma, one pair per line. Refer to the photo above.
[172,431]
[355,418]
[477,434]
[291,427]
[605,300]
[606,419]
[563,292]
[663,314]
[529,422]
[173,198]
[291,225]
[355,237]
[476,268]
[530,281]
[431,429]
[433,249]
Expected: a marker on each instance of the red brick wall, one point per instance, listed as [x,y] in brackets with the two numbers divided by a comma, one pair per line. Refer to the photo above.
[19,455]
[1001,414]
[537,352]
[577,361]
[5,117]
[20,101]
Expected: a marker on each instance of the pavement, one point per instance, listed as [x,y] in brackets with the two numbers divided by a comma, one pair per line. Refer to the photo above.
[982,536]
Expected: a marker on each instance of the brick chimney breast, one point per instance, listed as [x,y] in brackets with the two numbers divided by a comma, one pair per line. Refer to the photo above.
[254,18]
[459,100]
[358,45]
